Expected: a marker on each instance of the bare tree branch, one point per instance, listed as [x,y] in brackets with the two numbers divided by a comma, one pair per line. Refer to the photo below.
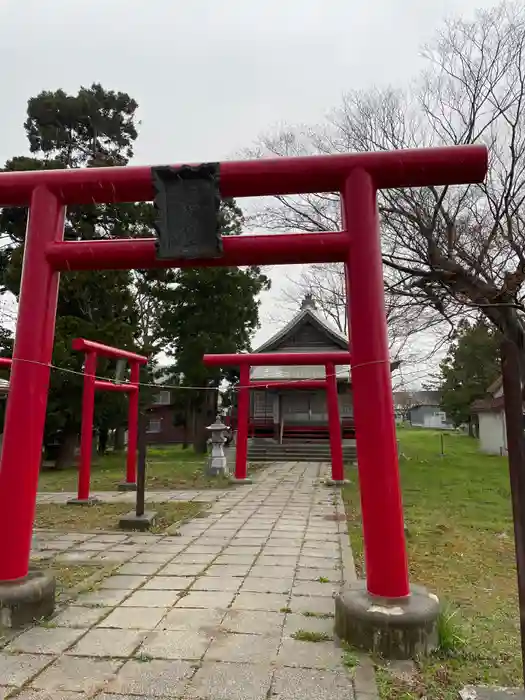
[447,250]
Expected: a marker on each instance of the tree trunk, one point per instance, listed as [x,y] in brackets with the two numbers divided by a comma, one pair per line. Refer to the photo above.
[66,450]
[119,439]
[203,416]
[103,435]
[213,406]
[187,422]
[194,429]
[200,438]
[473,427]
[199,428]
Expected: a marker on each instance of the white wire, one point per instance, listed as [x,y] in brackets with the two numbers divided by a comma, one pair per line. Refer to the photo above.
[153,385]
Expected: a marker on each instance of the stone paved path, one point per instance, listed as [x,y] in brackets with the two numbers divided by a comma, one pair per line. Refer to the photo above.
[203,496]
[208,614]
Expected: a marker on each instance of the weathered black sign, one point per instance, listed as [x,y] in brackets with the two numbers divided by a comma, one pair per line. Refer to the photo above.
[187,202]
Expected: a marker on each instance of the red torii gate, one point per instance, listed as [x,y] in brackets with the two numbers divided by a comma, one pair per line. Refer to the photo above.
[246,360]
[357,177]
[93,350]
[91,383]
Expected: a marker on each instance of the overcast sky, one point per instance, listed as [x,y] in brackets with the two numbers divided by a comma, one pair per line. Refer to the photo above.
[210,75]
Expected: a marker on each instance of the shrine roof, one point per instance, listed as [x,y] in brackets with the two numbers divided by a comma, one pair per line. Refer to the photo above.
[307,331]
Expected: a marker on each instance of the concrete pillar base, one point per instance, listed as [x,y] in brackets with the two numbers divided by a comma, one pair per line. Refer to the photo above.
[132,521]
[124,486]
[91,501]
[27,599]
[399,628]
[337,483]
[235,480]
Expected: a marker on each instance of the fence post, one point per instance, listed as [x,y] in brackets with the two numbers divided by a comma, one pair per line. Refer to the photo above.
[140,518]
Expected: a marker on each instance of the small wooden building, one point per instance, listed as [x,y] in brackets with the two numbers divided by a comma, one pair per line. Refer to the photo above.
[492,428]
[285,414]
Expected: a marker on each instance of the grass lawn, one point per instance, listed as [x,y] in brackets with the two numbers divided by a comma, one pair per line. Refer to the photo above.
[105,516]
[167,468]
[71,575]
[461,546]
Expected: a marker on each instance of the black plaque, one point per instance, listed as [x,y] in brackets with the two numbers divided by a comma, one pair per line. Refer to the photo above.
[187,200]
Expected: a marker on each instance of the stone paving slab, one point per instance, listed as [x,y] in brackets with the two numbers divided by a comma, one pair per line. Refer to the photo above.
[210,614]
[202,496]
[82,675]
[152,679]
[226,681]
[31,694]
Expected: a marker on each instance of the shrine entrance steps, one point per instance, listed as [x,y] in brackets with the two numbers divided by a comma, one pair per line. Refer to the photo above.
[260,450]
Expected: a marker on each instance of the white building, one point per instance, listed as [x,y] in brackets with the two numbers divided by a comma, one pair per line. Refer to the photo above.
[422,409]
[491,419]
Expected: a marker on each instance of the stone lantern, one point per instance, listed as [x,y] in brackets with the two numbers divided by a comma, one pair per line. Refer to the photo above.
[217,463]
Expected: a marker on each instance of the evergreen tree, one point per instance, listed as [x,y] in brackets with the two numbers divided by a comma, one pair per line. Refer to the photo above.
[470,366]
[184,312]
[95,128]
